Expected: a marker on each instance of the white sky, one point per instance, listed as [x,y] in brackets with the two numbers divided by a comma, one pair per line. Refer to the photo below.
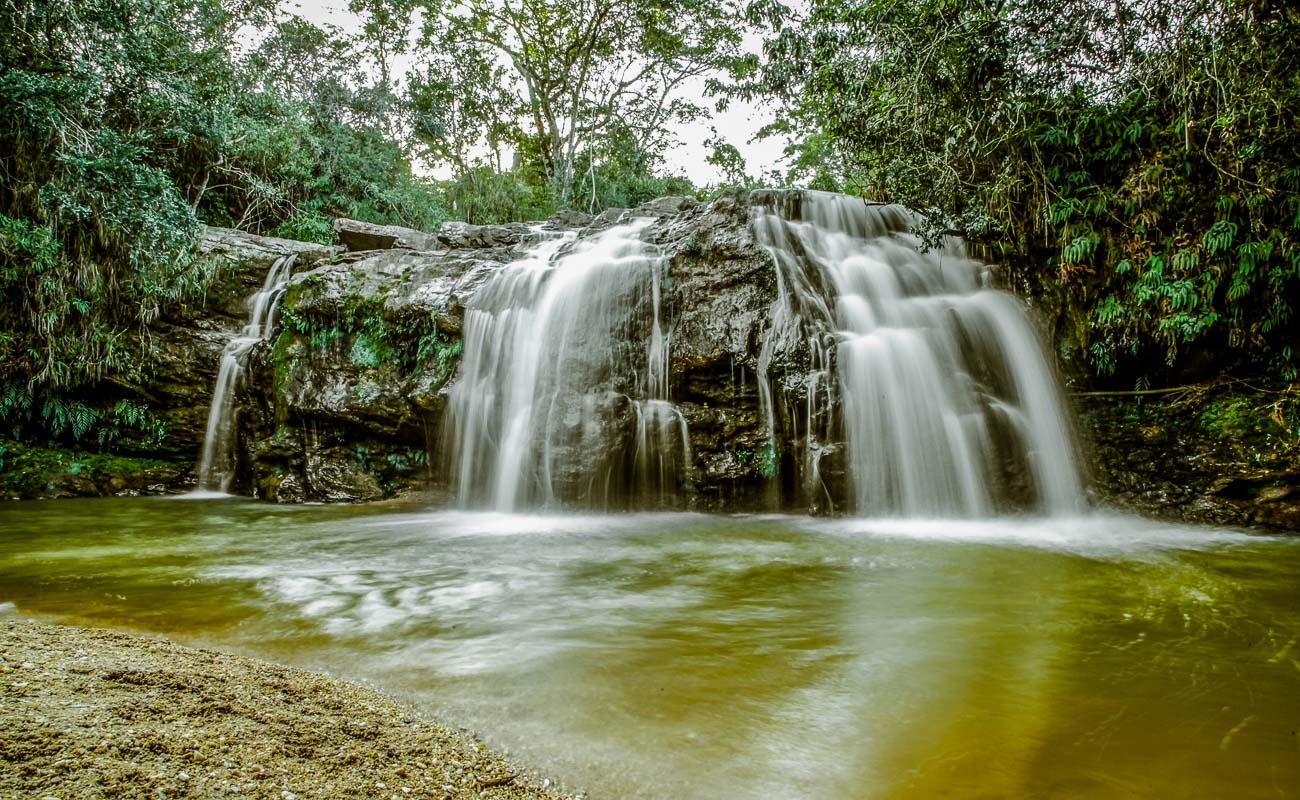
[737,125]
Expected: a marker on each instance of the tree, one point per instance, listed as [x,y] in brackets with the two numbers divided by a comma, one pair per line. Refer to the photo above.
[317,141]
[123,125]
[585,71]
[726,157]
[1139,147]
[104,102]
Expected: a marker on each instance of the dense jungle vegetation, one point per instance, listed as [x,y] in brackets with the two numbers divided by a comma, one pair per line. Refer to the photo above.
[1141,157]
[1139,161]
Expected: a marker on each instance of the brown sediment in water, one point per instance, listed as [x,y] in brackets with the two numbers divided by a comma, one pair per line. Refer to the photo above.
[91,714]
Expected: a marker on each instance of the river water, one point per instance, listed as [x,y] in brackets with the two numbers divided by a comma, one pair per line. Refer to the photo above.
[691,656]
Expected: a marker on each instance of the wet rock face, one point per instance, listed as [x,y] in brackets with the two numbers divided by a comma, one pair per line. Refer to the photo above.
[463,236]
[186,344]
[347,399]
[1211,458]
[188,341]
[345,394]
[722,285]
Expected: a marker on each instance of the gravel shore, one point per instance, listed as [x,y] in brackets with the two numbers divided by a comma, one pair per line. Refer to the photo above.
[88,714]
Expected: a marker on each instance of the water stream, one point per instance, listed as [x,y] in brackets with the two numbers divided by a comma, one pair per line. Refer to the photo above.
[948,403]
[936,383]
[217,460]
[563,393]
[922,648]
[698,657]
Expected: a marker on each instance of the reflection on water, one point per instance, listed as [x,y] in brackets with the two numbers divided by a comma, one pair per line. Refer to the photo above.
[690,656]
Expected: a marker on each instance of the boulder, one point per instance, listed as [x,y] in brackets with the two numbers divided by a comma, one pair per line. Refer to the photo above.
[359,236]
[1204,455]
[463,236]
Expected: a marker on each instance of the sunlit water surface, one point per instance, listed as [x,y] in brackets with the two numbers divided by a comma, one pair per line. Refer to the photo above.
[687,656]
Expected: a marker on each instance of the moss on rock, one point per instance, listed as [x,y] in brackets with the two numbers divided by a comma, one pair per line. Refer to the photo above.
[30,471]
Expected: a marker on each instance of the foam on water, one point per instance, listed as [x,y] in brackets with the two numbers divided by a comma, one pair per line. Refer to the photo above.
[1098,533]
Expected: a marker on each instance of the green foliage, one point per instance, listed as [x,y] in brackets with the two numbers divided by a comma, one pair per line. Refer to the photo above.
[1142,153]
[23,412]
[129,416]
[613,173]
[582,93]
[766,461]
[126,123]
[306,226]
[438,347]
[363,354]
[105,102]
[375,338]
[725,156]
[32,471]
[68,417]
[1230,415]
[618,173]
[313,140]
[1263,426]
[482,195]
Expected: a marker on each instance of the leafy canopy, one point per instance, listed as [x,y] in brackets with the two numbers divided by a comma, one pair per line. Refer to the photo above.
[1147,150]
[126,124]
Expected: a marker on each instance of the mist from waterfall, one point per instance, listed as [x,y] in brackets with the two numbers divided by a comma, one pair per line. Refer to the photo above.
[217,461]
[947,401]
[563,393]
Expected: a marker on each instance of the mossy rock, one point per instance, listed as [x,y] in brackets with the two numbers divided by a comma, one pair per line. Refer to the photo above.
[30,471]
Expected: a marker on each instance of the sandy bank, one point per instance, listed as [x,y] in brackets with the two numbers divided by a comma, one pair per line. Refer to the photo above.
[100,714]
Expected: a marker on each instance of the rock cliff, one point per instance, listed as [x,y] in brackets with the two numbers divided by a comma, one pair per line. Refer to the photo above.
[347,400]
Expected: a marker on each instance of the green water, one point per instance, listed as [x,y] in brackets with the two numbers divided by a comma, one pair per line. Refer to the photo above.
[687,656]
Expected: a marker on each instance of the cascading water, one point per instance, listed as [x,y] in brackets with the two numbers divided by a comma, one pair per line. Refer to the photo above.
[563,394]
[216,464]
[948,403]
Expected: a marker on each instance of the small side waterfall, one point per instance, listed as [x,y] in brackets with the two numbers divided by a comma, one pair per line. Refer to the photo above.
[563,394]
[948,402]
[217,462]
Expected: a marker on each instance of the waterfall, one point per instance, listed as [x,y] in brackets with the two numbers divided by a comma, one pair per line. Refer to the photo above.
[217,462]
[948,403]
[563,393]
